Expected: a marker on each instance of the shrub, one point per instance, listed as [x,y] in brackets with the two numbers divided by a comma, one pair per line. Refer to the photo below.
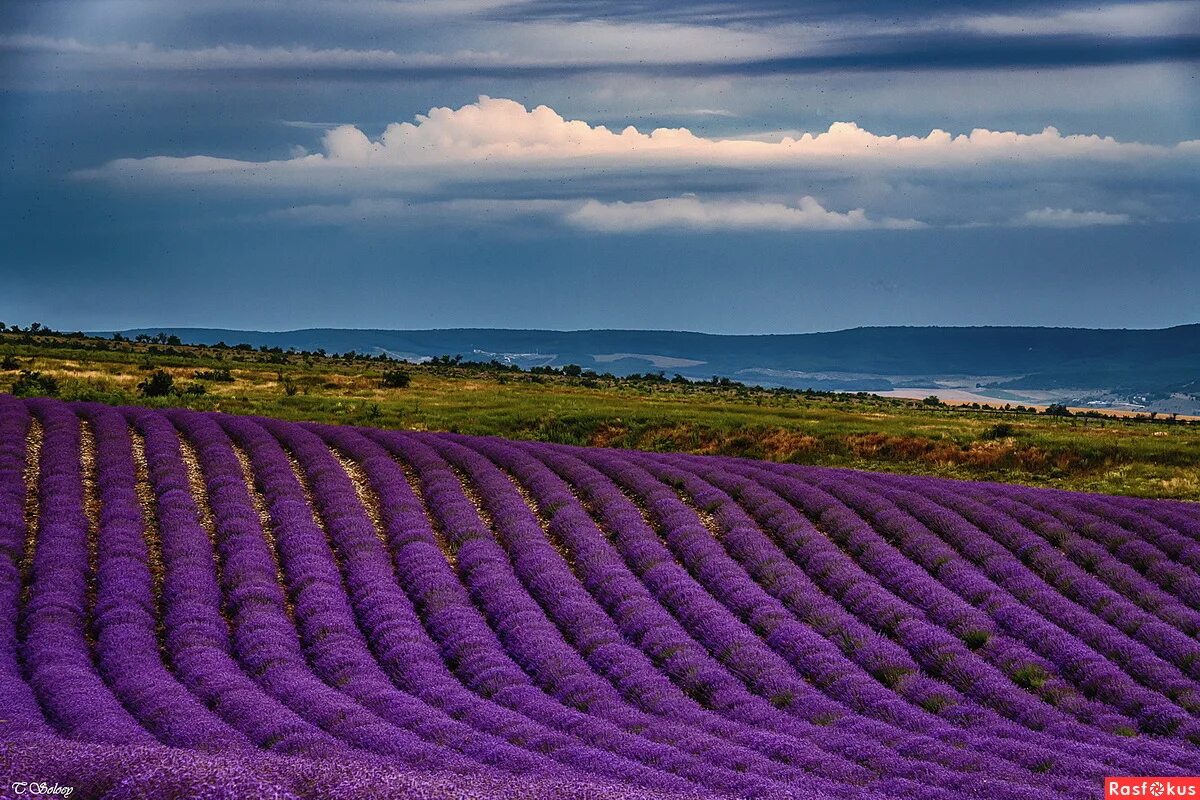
[159,384]
[35,384]
[1000,430]
[9,363]
[220,375]
[396,379]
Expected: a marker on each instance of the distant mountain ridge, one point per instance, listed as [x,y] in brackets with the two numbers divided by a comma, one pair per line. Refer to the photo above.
[1151,362]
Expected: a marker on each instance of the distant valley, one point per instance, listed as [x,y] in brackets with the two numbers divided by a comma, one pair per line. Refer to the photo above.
[1143,370]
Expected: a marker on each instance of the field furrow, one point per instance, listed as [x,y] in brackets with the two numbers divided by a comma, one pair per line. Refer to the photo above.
[199,604]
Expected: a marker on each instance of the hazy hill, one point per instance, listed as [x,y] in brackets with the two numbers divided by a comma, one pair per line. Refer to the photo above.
[1148,362]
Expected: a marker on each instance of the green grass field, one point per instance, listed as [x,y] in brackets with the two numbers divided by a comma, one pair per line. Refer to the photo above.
[1119,456]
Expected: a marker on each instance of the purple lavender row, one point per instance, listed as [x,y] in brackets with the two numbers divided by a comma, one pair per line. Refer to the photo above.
[471,650]
[745,542]
[266,641]
[536,647]
[337,647]
[963,619]
[107,772]
[331,752]
[783,578]
[1134,531]
[1150,541]
[125,613]
[1137,532]
[545,575]
[1112,663]
[644,623]
[404,646]
[1081,655]
[1155,750]
[696,549]
[559,587]
[993,669]
[777,572]
[1073,732]
[1175,578]
[58,657]
[1178,515]
[991,514]
[666,621]
[923,759]
[197,635]
[939,642]
[18,707]
[1094,559]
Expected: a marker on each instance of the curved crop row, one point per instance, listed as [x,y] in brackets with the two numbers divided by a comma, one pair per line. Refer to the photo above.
[212,606]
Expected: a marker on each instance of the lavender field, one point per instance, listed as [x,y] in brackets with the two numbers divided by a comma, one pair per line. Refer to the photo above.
[204,605]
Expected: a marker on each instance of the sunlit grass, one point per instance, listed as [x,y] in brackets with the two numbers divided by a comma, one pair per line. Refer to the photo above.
[1123,457]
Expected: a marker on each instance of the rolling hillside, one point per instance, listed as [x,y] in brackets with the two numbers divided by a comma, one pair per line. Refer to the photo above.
[208,605]
[1154,363]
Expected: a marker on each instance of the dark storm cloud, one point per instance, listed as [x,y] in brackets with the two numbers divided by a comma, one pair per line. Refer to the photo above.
[916,53]
[371,40]
[975,52]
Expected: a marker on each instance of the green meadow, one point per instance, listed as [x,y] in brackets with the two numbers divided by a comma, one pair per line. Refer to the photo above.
[1143,457]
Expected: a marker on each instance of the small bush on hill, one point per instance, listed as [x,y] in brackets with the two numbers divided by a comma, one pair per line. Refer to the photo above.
[159,384]
[1000,430]
[396,379]
[220,375]
[35,384]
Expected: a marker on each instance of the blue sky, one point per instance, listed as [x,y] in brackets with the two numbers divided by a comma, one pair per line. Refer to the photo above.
[725,167]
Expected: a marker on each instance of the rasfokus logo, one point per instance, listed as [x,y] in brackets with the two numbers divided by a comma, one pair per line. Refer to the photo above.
[1152,787]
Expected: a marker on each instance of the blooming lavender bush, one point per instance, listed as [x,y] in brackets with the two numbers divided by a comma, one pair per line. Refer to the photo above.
[200,605]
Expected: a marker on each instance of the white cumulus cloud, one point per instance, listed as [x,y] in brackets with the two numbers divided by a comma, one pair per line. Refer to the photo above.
[499,135]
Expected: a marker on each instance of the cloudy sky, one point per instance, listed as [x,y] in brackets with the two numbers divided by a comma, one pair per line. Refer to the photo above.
[717,166]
